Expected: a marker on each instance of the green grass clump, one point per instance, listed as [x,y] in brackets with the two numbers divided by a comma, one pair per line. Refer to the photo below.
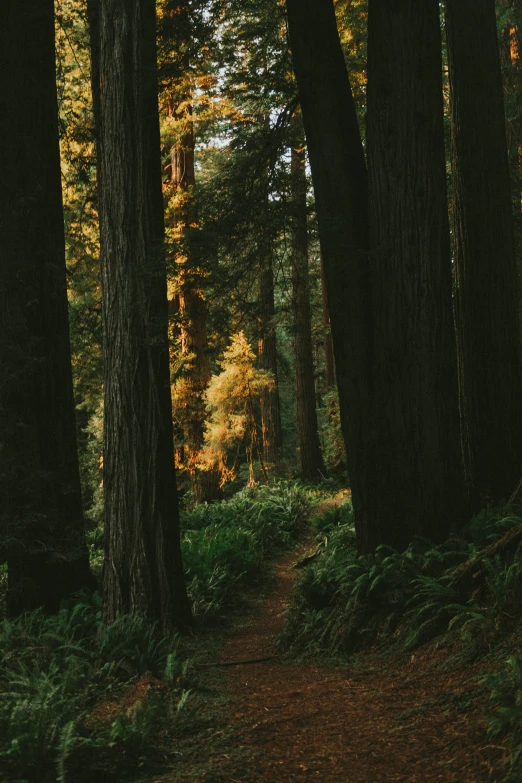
[504,720]
[346,602]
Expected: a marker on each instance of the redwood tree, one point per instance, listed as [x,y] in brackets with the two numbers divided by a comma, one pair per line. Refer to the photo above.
[484,249]
[267,359]
[340,185]
[190,267]
[416,475]
[310,456]
[143,569]
[42,533]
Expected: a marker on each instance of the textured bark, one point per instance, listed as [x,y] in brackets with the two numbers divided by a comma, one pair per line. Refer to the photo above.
[340,185]
[329,360]
[417,482]
[143,569]
[486,279]
[310,456]
[267,357]
[41,523]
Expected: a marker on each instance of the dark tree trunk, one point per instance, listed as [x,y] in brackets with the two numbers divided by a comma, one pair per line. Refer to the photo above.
[340,185]
[329,361]
[41,533]
[143,570]
[267,356]
[417,480]
[486,279]
[310,456]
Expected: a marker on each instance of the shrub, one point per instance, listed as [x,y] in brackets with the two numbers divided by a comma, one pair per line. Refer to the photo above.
[346,602]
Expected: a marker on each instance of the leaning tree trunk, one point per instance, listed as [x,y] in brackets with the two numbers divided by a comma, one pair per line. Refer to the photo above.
[485,265]
[267,357]
[417,481]
[310,456]
[42,533]
[143,570]
[340,186]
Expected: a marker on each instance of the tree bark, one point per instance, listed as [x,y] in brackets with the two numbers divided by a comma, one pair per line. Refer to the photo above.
[267,357]
[327,331]
[416,475]
[143,570]
[340,186]
[485,265]
[41,523]
[310,456]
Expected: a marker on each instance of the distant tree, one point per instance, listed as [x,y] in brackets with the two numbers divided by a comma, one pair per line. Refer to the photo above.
[143,568]
[341,194]
[310,457]
[232,398]
[267,359]
[416,475]
[176,32]
[41,531]
[485,263]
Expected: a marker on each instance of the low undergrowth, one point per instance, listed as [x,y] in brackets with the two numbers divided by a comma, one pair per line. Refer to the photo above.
[225,545]
[345,602]
[80,700]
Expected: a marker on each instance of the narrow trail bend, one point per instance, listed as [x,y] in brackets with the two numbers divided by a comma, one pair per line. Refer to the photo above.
[382,719]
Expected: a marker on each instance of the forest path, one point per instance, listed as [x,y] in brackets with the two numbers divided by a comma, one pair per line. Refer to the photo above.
[380,718]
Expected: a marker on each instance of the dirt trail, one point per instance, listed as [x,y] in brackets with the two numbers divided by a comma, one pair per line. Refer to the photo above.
[296,723]
[380,718]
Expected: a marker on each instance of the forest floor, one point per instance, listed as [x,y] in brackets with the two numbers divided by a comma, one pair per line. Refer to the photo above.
[377,717]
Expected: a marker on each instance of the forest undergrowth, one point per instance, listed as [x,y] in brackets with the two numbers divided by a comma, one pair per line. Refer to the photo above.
[81,700]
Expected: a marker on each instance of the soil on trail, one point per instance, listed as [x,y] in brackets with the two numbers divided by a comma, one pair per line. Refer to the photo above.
[379,719]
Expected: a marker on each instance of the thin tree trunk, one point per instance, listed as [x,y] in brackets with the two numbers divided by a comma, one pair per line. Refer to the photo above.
[327,332]
[310,456]
[41,523]
[340,185]
[143,570]
[486,278]
[267,356]
[417,481]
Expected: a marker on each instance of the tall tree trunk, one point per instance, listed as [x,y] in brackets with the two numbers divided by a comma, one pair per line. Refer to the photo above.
[176,33]
[41,523]
[310,456]
[267,356]
[143,570]
[340,185]
[417,481]
[327,332]
[486,280]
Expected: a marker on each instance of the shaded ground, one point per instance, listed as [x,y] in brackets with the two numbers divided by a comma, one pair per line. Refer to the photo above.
[379,719]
